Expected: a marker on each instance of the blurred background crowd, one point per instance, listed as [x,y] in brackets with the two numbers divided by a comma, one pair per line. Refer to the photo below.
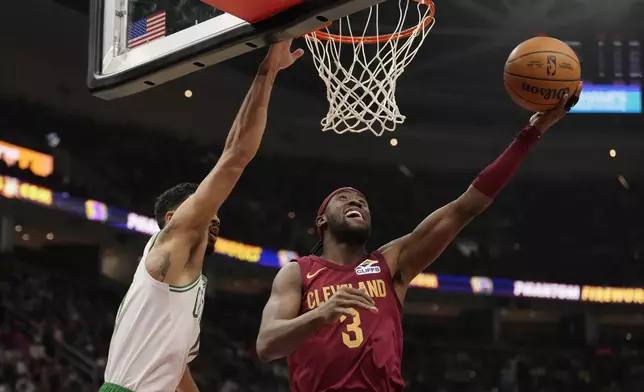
[56,322]
[55,329]
[570,222]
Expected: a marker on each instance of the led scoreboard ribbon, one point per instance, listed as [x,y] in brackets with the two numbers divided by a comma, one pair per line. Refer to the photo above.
[13,188]
[614,295]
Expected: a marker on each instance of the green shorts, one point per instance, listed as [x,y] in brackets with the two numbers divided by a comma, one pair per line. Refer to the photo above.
[109,387]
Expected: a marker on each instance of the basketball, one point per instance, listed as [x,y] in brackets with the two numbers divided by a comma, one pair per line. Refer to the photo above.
[539,72]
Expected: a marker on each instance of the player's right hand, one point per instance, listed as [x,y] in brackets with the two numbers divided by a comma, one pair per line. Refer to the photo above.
[544,121]
[343,301]
[280,56]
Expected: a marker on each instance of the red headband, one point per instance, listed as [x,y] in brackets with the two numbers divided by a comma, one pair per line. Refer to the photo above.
[326,201]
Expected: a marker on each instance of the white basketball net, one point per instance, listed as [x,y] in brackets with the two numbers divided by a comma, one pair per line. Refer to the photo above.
[361,89]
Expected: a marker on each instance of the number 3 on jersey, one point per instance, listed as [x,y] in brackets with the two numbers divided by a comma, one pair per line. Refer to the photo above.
[353,337]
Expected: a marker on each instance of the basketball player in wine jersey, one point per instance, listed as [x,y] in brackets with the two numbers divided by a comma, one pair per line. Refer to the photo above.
[157,325]
[337,317]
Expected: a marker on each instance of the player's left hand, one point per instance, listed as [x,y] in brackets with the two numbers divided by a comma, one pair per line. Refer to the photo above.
[545,120]
[280,56]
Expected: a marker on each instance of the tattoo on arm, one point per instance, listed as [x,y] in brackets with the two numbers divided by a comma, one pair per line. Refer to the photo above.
[162,266]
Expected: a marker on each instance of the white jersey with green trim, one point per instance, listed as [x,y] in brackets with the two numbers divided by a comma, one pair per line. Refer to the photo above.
[156,332]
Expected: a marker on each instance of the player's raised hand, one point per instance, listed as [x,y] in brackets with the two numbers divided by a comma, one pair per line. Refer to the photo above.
[280,56]
[545,120]
[344,302]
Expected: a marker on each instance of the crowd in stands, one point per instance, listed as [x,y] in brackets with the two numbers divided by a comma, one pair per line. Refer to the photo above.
[47,316]
[38,314]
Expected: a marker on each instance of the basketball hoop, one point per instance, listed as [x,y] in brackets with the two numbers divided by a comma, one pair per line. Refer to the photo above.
[361,87]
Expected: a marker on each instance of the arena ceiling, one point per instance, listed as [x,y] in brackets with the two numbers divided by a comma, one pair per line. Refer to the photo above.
[459,117]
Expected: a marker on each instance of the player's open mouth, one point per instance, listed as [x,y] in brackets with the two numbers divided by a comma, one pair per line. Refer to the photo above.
[354,214]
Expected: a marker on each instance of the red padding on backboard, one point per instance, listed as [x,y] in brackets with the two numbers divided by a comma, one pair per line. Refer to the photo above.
[253,11]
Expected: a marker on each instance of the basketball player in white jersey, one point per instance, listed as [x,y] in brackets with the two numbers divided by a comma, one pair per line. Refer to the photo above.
[156,333]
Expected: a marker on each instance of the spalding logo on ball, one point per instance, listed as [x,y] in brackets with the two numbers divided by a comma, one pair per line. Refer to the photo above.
[540,71]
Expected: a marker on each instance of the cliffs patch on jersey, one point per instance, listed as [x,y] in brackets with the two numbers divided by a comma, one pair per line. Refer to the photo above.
[368,267]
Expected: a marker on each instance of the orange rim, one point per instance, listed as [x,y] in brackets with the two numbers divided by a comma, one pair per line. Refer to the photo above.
[374,39]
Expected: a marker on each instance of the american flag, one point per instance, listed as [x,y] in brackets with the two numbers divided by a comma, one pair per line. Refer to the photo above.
[147,29]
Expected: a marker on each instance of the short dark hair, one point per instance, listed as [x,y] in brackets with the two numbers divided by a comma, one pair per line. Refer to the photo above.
[171,199]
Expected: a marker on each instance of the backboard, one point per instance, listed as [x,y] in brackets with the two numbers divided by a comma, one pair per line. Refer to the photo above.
[139,44]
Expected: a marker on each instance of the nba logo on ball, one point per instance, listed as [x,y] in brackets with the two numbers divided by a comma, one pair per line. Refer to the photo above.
[368,267]
[551,67]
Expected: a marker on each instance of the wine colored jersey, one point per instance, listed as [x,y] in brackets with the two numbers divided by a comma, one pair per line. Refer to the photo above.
[359,353]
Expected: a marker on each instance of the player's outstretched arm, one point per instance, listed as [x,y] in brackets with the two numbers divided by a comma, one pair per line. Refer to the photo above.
[410,255]
[189,222]
[282,331]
